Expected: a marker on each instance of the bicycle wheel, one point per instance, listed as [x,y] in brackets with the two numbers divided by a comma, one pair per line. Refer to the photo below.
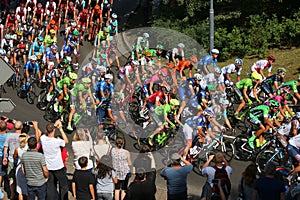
[227,149]
[50,115]
[238,143]
[41,100]
[30,97]
[264,157]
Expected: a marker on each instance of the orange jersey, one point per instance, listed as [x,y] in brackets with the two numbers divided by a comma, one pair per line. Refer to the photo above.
[184,65]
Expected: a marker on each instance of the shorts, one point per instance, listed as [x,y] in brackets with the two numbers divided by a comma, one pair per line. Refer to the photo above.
[267,89]
[73,100]
[11,170]
[188,132]
[121,185]
[58,89]
[293,153]
[183,93]
[101,114]
[254,120]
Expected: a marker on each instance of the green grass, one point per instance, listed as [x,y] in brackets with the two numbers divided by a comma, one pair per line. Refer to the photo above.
[289,59]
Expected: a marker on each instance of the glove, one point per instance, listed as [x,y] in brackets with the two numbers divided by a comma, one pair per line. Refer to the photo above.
[66,97]
[95,107]
[258,100]
[249,102]
[84,106]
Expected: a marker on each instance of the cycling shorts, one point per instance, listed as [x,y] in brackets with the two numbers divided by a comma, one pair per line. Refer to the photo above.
[255,120]
[73,100]
[101,113]
[267,89]
[183,93]
[293,153]
[58,89]
[188,132]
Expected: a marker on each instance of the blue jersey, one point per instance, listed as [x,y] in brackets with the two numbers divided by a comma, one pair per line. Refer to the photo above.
[36,48]
[50,54]
[106,89]
[198,122]
[67,50]
[31,67]
[207,60]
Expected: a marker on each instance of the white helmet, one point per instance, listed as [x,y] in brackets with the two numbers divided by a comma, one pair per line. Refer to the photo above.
[215,51]
[101,68]
[180,45]
[108,76]
[135,62]
[114,15]
[2,52]
[198,76]
[208,112]
[224,101]
[145,35]
[33,57]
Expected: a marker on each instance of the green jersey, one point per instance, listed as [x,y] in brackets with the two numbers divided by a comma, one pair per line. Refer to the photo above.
[79,88]
[291,85]
[163,109]
[64,81]
[244,83]
[260,111]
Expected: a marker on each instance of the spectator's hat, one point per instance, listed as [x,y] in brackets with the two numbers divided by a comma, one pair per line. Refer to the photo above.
[175,156]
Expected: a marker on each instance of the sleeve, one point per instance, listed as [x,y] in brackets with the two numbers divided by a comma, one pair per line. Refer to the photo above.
[62,143]
[6,142]
[112,88]
[270,69]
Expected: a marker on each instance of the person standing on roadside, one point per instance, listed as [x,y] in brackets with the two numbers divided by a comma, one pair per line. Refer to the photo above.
[52,150]
[176,176]
[3,136]
[35,170]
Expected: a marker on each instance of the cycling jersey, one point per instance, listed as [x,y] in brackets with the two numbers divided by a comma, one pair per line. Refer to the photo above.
[155,96]
[163,109]
[279,99]
[295,141]
[65,81]
[49,40]
[20,11]
[54,74]
[184,90]
[102,37]
[273,79]
[67,51]
[128,71]
[52,56]
[141,44]
[291,85]
[51,6]
[177,54]
[185,64]
[7,44]
[37,49]
[244,83]
[31,67]
[206,61]
[198,122]
[261,64]
[79,88]
[11,20]
[230,69]
[211,79]
[260,111]
[38,12]
[105,88]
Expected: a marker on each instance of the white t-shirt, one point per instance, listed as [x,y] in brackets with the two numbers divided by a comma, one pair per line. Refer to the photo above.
[82,148]
[52,152]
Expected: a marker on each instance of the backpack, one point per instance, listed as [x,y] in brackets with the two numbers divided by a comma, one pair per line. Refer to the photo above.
[222,175]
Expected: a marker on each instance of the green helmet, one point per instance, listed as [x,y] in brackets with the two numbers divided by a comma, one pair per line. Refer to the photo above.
[76,32]
[274,103]
[174,102]
[211,87]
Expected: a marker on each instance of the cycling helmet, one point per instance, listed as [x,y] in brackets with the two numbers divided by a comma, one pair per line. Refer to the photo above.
[180,45]
[8,37]
[160,47]
[39,5]
[114,16]
[86,80]
[198,76]
[76,32]
[218,70]
[52,22]
[211,87]
[60,65]
[54,47]
[52,31]
[2,52]
[40,39]
[167,88]
[101,68]
[19,32]
[255,76]
[108,76]
[22,4]
[281,70]
[73,76]
[297,115]
[135,62]
[33,58]
[271,57]
[97,7]
[273,103]
[238,62]
[174,102]
[215,51]
[145,35]
[71,3]
[224,101]
[12,11]
[284,90]
[105,30]
[22,46]
[208,112]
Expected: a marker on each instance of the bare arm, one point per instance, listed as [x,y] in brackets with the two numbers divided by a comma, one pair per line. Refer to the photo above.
[74,190]
[92,191]
[46,172]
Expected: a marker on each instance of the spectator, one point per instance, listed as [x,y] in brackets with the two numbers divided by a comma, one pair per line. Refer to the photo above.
[83,182]
[210,172]
[142,187]
[64,154]
[51,148]
[11,143]
[121,163]
[82,145]
[35,170]
[102,147]
[21,185]
[268,187]
[3,136]
[176,176]
[247,181]
[144,160]
[106,178]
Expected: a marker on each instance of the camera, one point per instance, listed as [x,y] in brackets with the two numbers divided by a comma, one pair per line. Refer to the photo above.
[28,123]
[216,181]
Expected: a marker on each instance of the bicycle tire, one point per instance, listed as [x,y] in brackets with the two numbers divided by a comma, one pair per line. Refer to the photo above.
[238,142]
[198,165]
[264,157]
[42,100]
[30,97]
[228,152]
[50,115]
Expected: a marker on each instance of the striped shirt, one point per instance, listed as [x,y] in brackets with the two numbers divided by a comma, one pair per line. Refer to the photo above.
[33,163]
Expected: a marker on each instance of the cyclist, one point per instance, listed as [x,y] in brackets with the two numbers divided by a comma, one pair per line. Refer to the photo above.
[70,14]
[38,15]
[51,56]
[11,20]
[260,65]
[129,75]
[83,19]
[21,12]
[79,92]
[37,48]
[208,60]
[70,49]
[243,89]
[232,68]
[104,96]
[20,52]
[274,80]
[31,68]
[293,85]
[112,55]
[206,97]
[293,149]
[50,39]
[142,44]
[102,38]
[160,116]
[263,117]
[50,9]
[51,26]
[3,55]
[63,87]
[188,88]
[215,78]
[197,125]
[157,98]
[55,75]
[186,64]
[221,113]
